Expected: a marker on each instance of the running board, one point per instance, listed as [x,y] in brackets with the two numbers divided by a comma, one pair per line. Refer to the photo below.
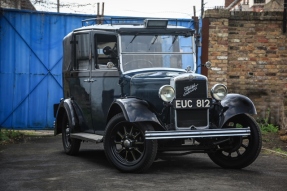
[202,133]
[87,137]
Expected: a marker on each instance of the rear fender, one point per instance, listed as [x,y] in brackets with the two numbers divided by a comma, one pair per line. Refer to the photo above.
[65,106]
[235,104]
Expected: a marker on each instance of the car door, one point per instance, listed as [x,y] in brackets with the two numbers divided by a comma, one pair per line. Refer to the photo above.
[105,88]
[80,79]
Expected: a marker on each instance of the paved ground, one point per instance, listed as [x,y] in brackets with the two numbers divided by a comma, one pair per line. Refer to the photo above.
[41,164]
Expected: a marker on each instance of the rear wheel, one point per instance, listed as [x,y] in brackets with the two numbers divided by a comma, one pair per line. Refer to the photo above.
[126,147]
[71,146]
[239,152]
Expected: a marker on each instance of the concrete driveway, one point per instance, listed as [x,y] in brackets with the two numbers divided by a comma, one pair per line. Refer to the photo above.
[41,164]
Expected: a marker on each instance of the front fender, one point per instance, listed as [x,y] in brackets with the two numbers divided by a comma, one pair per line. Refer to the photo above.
[65,106]
[134,110]
[234,104]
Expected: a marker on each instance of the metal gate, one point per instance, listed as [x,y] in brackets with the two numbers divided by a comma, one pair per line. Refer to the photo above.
[31,65]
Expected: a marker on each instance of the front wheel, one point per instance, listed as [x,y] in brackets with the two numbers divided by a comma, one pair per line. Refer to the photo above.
[239,152]
[126,147]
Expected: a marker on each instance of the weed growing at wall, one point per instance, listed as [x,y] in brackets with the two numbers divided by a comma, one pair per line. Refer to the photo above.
[265,126]
[9,136]
[268,128]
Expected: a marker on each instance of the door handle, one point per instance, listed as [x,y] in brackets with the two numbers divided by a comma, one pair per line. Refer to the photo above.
[89,80]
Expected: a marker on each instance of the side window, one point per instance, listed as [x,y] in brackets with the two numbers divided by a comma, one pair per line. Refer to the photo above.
[82,49]
[106,51]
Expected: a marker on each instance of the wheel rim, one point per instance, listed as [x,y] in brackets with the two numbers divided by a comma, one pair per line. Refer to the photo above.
[67,140]
[236,147]
[127,143]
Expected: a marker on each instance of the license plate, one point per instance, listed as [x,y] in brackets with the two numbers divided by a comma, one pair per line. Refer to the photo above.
[195,103]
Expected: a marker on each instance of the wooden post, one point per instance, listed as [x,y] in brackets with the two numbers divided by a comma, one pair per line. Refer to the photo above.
[58,6]
[102,15]
[205,44]
[98,13]
[284,16]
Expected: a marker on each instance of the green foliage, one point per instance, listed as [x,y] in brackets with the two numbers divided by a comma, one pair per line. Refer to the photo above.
[9,135]
[266,127]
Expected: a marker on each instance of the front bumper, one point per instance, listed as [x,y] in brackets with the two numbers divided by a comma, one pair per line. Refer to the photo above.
[197,133]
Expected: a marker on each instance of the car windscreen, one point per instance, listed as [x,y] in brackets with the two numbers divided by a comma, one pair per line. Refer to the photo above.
[153,51]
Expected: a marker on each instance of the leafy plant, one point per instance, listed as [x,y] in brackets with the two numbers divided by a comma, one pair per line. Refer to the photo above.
[9,135]
[265,126]
[268,128]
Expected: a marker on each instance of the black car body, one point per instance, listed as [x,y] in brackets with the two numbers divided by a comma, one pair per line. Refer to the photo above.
[134,88]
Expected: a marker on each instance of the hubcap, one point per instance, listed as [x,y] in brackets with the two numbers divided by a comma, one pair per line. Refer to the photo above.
[127,143]
[67,136]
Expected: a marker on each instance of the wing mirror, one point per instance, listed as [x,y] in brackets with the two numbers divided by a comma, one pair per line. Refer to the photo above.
[207,64]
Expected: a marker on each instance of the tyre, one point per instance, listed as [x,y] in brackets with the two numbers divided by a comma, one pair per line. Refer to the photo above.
[71,146]
[239,152]
[126,147]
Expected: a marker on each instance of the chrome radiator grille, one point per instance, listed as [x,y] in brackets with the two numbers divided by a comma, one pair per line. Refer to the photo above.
[186,89]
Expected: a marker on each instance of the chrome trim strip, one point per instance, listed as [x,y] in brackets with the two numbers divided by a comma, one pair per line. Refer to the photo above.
[197,133]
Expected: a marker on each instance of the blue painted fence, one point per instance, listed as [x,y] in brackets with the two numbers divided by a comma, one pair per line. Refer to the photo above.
[31,63]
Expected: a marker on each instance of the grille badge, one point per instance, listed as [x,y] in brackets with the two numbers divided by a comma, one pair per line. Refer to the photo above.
[189,89]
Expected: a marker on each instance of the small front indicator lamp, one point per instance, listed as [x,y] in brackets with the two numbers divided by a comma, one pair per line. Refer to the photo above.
[155,23]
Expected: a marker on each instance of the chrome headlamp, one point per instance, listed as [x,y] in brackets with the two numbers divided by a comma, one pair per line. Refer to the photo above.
[218,91]
[166,93]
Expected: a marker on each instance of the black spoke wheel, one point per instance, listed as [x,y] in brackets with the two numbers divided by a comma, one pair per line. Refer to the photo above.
[126,147]
[239,152]
[71,146]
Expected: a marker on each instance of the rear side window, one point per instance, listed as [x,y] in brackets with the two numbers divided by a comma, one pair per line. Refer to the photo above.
[82,50]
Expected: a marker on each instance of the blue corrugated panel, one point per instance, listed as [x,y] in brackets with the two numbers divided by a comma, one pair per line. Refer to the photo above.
[30,65]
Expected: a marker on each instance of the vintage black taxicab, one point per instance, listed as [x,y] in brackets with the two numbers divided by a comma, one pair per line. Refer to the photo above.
[135,89]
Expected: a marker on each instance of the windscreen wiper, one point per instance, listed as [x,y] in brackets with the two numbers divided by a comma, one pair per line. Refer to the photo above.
[132,40]
[173,41]
[153,41]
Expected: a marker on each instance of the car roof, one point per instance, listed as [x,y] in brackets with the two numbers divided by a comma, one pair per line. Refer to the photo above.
[118,24]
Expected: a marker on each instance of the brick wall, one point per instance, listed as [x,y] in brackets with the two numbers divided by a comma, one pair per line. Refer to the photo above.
[249,54]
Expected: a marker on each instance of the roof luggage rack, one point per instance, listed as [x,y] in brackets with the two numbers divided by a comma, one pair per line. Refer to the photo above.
[124,21]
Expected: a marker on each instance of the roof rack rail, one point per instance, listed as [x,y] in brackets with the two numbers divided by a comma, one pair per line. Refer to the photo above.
[112,21]
[123,21]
